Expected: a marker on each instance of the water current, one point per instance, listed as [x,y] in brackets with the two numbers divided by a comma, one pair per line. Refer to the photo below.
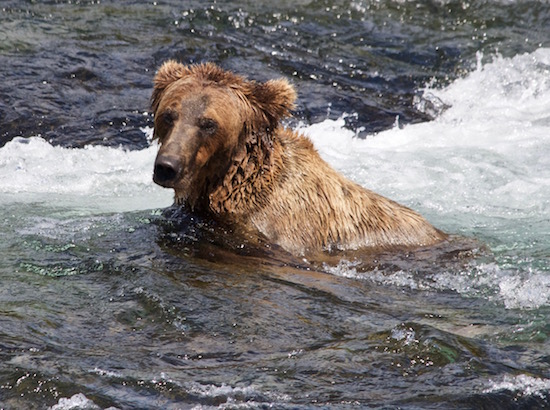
[108,300]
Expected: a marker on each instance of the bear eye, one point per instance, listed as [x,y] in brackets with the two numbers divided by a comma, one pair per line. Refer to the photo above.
[168,118]
[208,125]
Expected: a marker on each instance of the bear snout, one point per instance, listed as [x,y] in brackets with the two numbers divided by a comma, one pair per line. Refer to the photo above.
[167,169]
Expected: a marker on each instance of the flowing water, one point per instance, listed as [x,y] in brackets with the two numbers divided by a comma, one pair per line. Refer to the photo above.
[107,301]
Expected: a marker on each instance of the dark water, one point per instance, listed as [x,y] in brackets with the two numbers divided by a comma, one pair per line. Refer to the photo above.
[152,317]
[80,72]
[122,310]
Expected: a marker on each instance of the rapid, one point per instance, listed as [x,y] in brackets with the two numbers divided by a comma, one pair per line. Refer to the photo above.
[105,303]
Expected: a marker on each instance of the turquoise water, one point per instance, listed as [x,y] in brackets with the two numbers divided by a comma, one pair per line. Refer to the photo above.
[107,301]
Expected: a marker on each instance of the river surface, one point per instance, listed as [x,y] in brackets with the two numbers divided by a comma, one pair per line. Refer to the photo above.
[109,298]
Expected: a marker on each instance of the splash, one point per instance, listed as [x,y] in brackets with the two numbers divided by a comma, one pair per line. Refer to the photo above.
[95,177]
[523,385]
[481,169]
[75,402]
[484,157]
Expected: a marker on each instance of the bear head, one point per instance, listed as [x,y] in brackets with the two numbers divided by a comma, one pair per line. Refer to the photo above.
[206,118]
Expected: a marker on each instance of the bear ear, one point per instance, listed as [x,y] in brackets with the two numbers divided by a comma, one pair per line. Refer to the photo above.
[169,72]
[274,98]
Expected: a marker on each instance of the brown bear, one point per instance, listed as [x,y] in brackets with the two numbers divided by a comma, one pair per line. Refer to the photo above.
[225,154]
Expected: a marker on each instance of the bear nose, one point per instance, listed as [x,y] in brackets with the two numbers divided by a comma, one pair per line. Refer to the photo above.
[167,169]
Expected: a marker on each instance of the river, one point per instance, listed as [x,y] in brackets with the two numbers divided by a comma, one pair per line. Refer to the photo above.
[109,301]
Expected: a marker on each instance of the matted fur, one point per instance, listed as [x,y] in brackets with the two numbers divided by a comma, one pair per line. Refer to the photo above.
[251,171]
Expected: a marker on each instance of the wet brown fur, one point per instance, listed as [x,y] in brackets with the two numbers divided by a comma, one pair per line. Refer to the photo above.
[251,171]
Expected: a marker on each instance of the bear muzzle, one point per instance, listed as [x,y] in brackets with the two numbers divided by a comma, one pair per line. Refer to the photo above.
[167,170]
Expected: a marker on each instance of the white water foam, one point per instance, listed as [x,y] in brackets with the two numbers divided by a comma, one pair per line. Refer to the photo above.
[231,397]
[77,402]
[482,168]
[513,288]
[95,177]
[486,156]
[237,397]
[523,385]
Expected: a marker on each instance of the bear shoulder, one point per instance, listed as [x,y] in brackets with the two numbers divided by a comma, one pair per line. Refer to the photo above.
[322,209]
